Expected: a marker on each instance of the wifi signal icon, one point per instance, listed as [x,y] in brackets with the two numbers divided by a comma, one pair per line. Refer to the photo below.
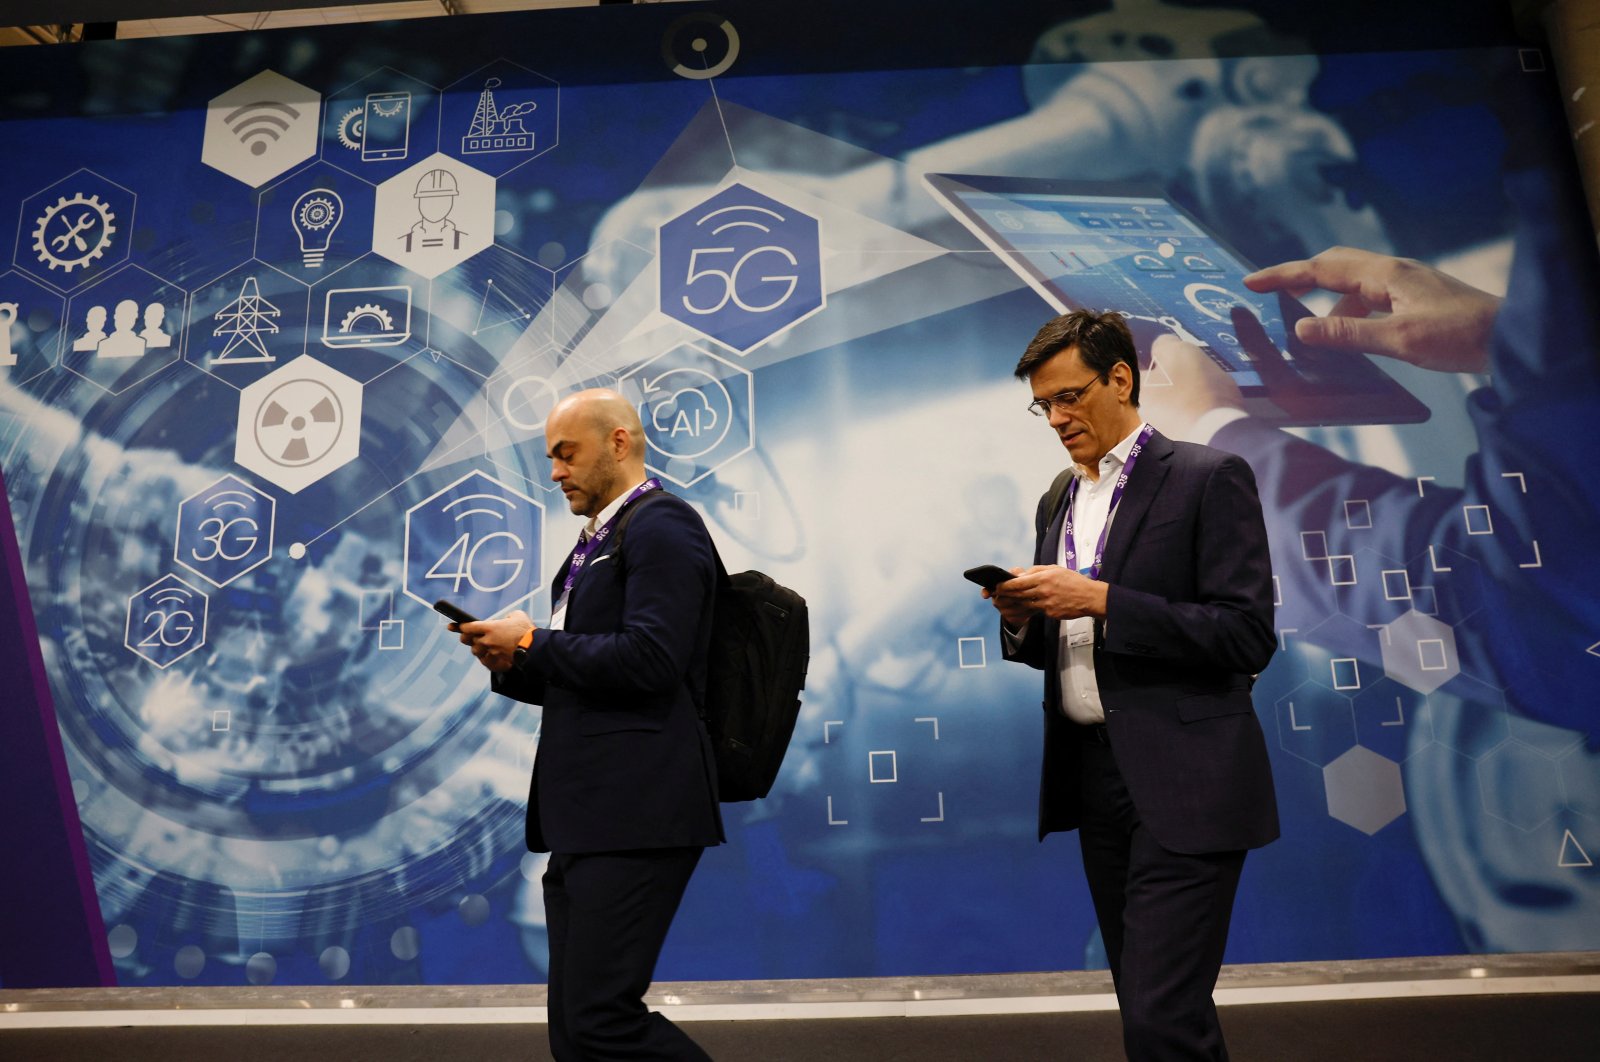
[260,128]
[259,125]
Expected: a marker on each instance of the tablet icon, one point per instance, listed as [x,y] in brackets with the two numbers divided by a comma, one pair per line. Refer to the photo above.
[366,317]
[380,129]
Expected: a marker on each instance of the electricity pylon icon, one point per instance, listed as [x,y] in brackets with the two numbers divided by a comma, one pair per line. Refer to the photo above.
[243,321]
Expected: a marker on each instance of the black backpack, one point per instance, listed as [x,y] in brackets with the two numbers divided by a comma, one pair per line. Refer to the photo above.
[755,670]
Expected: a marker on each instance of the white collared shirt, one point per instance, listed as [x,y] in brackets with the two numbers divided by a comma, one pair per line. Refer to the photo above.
[558,618]
[1091,513]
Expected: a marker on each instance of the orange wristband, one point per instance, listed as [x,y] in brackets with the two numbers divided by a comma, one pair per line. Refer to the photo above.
[527,640]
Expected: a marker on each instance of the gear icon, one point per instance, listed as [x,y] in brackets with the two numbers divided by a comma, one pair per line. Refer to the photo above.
[317,212]
[367,310]
[351,129]
[79,237]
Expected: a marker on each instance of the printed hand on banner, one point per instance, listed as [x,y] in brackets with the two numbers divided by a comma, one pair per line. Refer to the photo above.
[1396,307]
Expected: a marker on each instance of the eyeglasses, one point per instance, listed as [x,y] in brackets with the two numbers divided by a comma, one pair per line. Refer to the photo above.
[1061,403]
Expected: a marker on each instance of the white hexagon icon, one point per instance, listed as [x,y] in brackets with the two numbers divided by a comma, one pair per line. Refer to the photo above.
[1364,790]
[433,216]
[1420,652]
[261,127]
[299,423]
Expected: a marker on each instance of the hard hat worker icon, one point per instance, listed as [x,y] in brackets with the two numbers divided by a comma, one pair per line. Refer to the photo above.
[435,195]
[437,182]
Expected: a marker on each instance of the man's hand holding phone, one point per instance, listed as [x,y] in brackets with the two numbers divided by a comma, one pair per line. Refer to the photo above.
[991,577]
[494,642]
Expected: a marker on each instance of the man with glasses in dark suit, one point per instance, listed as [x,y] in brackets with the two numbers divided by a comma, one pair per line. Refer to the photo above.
[1149,608]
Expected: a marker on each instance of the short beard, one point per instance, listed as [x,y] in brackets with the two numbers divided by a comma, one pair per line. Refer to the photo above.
[605,479]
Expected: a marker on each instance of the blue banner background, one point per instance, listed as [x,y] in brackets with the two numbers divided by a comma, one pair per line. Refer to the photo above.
[320,788]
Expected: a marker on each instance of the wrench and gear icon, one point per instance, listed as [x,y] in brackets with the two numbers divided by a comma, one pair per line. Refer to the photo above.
[80,237]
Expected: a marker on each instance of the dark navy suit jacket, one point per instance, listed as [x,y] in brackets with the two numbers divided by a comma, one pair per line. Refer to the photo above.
[1188,622]
[624,761]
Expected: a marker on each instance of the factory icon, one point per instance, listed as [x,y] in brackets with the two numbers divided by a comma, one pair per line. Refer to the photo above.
[494,130]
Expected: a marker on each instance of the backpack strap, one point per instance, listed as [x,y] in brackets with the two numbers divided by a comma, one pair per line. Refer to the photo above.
[622,569]
[627,515]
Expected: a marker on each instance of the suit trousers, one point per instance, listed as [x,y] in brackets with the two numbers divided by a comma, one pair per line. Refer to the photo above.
[1163,916]
[608,914]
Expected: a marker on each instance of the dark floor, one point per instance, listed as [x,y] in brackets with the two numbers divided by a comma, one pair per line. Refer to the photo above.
[1523,1028]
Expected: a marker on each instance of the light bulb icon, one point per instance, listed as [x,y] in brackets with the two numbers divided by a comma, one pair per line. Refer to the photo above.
[314,217]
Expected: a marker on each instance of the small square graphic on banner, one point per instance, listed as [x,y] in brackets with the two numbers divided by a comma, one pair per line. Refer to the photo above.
[971,653]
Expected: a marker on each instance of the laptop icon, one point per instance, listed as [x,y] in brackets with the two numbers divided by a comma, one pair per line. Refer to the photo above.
[366,317]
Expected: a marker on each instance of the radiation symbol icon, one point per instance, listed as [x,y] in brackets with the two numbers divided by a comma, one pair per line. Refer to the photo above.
[299,423]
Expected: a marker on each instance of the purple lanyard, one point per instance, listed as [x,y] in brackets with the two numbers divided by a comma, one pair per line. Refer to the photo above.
[1069,551]
[587,544]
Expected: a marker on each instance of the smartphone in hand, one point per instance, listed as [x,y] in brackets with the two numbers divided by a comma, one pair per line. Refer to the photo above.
[453,613]
[987,576]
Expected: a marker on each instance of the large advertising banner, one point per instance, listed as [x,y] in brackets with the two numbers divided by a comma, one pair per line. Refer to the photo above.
[282,315]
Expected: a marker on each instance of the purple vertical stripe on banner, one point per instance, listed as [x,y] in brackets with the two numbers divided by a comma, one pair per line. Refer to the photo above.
[53,935]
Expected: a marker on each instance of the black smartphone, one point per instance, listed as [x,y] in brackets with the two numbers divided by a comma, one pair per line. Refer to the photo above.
[988,576]
[456,615]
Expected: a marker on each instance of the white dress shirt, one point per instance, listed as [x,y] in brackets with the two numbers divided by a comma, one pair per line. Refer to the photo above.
[1091,513]
[558,617]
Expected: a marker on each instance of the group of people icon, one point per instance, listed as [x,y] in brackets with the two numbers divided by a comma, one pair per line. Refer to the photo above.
[124,342]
